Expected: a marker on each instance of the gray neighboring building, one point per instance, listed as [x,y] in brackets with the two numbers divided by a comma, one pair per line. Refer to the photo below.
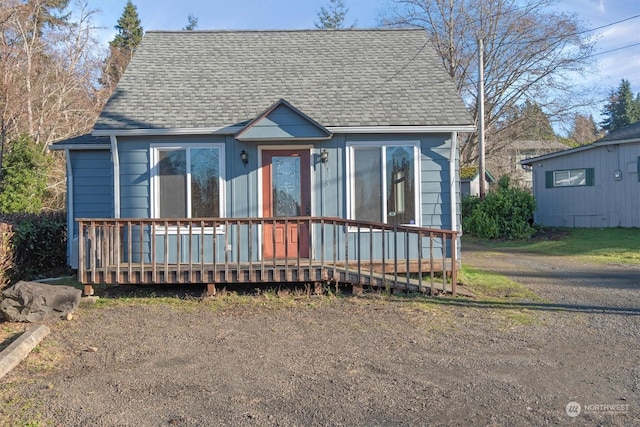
[506,160]
[593,186]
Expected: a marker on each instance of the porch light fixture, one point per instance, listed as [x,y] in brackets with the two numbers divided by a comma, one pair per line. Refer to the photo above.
[324,156]
[244,157]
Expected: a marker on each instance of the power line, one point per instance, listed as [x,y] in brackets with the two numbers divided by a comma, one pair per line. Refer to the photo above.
[564,36]
[613,50]
[607,25]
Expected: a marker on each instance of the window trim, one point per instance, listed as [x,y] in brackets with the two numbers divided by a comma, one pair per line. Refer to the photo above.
[382,145]
[154,157]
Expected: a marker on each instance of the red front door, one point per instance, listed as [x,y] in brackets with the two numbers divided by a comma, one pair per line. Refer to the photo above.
[286,188]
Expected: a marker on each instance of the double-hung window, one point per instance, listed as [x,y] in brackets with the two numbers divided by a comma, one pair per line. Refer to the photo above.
[384,183]
[188,181]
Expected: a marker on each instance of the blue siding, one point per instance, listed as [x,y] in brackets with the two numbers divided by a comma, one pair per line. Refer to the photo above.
[436,197]
[135,181]
[283,123]
[93,184]
[242,192]
[92,189]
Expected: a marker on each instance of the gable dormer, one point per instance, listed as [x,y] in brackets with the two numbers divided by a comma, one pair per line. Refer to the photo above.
[283,122]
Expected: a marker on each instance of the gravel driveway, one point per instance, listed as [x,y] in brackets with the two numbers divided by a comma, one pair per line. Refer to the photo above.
[351,361]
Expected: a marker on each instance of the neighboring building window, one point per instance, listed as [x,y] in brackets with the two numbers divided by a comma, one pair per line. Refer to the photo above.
[384,184]
[188,182]
[570,178]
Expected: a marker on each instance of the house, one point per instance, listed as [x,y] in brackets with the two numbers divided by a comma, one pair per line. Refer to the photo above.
[592,186]
[505,158]
[470,181]
[235,156]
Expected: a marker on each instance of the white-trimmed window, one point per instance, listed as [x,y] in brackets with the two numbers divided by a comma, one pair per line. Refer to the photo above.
[188,181]
[570,178]
[384,184]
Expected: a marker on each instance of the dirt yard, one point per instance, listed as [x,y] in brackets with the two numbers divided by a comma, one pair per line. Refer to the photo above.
[366,361]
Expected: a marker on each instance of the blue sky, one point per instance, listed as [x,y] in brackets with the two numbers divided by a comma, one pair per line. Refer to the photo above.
[302,14]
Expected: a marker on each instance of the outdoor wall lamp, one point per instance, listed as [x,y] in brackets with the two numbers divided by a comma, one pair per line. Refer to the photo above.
[244,157]
[324,156]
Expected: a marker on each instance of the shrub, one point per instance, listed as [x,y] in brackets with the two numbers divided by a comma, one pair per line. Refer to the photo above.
[39,245]
[24,177]
[6,254]
[505,213]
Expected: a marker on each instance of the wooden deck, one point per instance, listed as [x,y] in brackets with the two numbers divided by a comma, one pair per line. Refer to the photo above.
[120,251]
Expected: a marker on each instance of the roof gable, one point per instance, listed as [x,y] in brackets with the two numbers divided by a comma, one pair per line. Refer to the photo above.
[341,78]
[282,121]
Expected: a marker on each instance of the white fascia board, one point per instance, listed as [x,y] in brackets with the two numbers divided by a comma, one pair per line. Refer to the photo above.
[401,129]
[80,147]
[232,130]
[229,130]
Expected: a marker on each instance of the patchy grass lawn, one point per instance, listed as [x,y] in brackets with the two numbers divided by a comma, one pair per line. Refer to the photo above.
[607,245]
[486,284]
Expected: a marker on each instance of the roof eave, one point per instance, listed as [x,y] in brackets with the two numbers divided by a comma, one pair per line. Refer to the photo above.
[402,129]
[527,162]
[225,130]
[232,130]
[56,147]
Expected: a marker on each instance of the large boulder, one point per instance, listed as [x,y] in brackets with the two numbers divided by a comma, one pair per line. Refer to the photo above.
[37,302]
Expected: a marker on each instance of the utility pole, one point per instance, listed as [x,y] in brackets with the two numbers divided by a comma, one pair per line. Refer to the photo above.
[481,167]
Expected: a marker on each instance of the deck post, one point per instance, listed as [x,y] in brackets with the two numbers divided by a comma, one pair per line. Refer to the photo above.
[357,289]
[211,289]
[454,265]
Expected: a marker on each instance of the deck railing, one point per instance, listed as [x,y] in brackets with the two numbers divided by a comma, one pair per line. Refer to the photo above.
[243,250]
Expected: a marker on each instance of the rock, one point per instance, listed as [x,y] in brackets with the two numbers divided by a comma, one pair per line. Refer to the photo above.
[38,302]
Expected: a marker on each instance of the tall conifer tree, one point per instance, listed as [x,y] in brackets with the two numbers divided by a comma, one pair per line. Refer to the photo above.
[123,45]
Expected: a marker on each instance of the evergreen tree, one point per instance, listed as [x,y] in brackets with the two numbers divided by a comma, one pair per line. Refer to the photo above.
[332,16]
[192,23]
[129,28]
[123,45]
[585,130]
[622,109]
[526,122]
[24,175]
[46,14]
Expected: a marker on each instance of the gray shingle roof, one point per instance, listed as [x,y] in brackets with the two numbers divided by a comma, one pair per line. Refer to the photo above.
[86,140]
[627,135]
[210,79]
[628,132]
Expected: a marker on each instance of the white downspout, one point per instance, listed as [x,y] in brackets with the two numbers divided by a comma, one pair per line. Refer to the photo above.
[115,159]
[70,212]
[452,181]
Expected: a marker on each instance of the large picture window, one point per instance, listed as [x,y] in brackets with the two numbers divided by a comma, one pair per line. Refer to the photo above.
[188,182]
[383,184]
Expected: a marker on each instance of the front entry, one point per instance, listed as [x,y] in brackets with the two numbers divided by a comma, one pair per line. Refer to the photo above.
[286,192]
